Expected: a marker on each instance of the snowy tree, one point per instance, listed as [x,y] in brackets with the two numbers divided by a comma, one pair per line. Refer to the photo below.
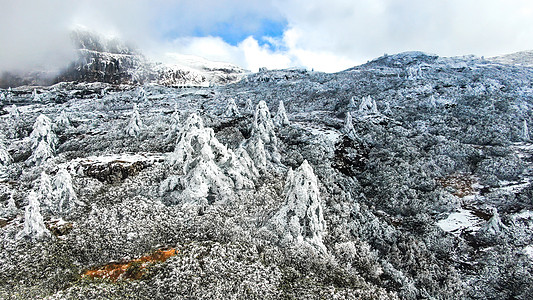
[352,106]
[5,157]
[15,114]
[135,123]
[205,168]
[368,106]
[281,118]
[249,108]
[432,103]
[232,110]
[62,121]
[388,110]
[42,131]
[35,96]
[348,128]
[33,220]
[10,210]
[301,219]
[141,95]
[494,225]
[175,123]
[41,154]
[525,132]
[256,148]
[45,192]
[262,126]
[43,140]
[64,195]
[263,129]
[2,97]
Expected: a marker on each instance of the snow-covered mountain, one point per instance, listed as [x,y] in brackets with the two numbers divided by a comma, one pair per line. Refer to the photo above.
[522,58]
[109,60]
[408,177]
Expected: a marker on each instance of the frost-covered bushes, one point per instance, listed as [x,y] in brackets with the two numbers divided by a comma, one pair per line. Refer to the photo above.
[232,111]
[204,169]
[33,220]
[301,219]
[263,143]
[496,169]
[43,140]
[281,118]
[135,123]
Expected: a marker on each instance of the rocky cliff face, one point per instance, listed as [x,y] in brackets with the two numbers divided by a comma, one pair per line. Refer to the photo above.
[112,61]
[408,177]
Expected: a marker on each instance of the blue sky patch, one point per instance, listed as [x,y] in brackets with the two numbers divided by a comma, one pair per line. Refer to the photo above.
[235,32]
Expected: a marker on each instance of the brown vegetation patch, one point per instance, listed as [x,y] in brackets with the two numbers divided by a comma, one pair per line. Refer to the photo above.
[132,269]
[462,184]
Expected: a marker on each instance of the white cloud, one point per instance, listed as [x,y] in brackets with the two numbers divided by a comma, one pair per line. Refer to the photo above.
[324,35]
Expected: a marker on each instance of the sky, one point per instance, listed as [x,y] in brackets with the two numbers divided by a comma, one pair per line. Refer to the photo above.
[327,36]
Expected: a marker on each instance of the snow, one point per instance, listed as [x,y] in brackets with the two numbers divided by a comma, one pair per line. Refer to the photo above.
[203,166]
[525,131]
[368,106]
[281,118]
[301,219]
[65,199]
[348,128]
[42,130]
[5,158]
[232,110]
[33,220]
[127,159]
[460,220]
[528,250]
[135,123]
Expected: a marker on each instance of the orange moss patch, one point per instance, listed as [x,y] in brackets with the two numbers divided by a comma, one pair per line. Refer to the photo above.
[133,269]
[461,183]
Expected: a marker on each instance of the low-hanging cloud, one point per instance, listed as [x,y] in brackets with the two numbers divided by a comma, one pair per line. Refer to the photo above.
[324,35]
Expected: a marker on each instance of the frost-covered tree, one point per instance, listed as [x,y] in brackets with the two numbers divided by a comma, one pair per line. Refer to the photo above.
[5,157]
[368,106]
[249,107]
[301,219]
[43,140]
[281,118]
[135,123]
[33,220]
[204,169]
[232,110]
[175,123]
[352,106]
[35,96]
[42,131]
[388,110]
[45,192]
[62,121]
[432,102]
[494,225]
[10,210]
[263,133]
[64,195]
[141,95]
[348,128]
[14,113]
[525,132]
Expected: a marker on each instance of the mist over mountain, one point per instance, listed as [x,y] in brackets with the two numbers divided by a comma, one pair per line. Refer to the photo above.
[110,60]
[407,177]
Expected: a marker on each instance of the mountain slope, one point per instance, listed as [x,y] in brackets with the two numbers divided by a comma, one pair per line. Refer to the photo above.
[522,58]
[426,195]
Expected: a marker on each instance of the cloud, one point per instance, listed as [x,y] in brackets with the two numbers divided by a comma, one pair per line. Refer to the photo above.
[324,35]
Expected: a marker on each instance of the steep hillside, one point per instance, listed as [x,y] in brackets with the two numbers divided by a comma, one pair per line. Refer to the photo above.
[408,177]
